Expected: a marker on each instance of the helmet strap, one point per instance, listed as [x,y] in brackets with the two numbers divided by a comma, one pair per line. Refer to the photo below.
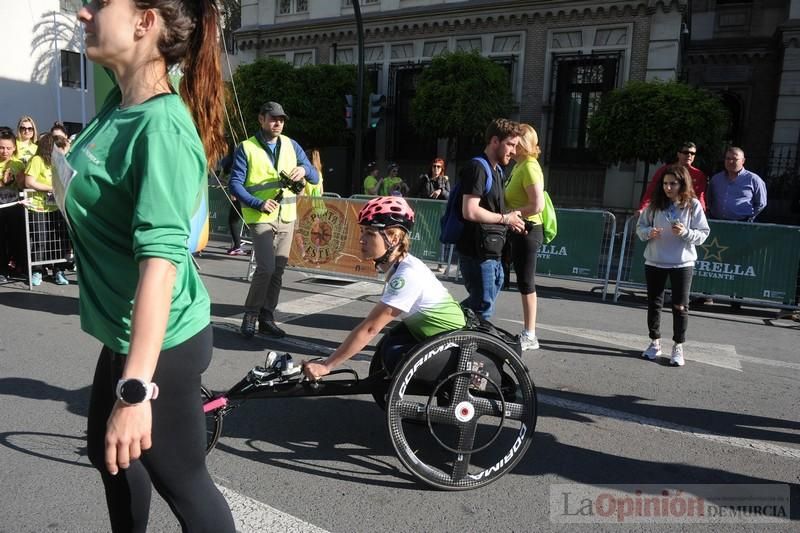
[382,261]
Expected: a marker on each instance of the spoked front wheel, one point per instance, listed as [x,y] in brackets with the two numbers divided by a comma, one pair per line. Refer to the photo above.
[461,410]
[213,420]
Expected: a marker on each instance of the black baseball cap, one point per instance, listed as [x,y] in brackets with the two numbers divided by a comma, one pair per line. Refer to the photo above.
[274,109]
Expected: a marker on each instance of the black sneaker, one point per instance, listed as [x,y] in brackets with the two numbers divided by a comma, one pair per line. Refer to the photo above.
[268,327]
[248,328]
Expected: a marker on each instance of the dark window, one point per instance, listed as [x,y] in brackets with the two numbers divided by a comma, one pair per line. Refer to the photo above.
[580,84]
[70,6]
[71,69]
[408,144]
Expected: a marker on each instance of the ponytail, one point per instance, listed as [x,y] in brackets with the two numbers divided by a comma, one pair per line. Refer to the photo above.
[201,86]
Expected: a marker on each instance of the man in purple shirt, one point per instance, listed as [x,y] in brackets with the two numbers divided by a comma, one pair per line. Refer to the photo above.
[736,193]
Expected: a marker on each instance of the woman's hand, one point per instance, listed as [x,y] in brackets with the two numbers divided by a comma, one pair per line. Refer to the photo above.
[314,371]
[655,233]
[127,434]
[678,228]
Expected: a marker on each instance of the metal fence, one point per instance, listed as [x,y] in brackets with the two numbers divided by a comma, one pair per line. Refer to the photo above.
[46,236]
[748,262]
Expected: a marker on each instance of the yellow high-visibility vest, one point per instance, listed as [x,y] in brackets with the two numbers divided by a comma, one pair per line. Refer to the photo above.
[263,180]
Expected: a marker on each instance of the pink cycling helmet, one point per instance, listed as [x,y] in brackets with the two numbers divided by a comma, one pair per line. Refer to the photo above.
[387,212]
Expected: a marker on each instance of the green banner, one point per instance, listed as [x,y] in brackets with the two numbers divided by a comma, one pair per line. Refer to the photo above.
[577,249]
[218,207]
[740,259]
[425,238]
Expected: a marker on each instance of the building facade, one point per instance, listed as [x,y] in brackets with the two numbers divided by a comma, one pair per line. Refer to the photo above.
[562,56]
[44,73]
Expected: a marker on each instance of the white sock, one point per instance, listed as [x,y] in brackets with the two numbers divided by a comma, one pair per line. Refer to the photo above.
[530,333]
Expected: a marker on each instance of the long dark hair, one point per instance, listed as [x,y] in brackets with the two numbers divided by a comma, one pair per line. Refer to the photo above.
[661,201]
[44,148]
[189,39]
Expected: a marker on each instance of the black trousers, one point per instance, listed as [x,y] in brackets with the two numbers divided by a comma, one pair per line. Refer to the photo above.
[176,463]
[235,223]
[680,280]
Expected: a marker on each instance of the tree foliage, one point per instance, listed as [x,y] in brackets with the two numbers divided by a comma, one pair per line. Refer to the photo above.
[649,120]
[458,95]
[313,97]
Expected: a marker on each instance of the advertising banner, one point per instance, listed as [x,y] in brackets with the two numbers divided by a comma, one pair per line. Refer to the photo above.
[741,259]
[577,248]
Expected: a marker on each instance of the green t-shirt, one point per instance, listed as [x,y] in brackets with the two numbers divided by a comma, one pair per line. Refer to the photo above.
[43,174]
[139,173]
[523,175]
[370,182]
[390,183]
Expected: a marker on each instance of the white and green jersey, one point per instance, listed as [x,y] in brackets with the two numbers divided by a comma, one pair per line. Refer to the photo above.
[428,308]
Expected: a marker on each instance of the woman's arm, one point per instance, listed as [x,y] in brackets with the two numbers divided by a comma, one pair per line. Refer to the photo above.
[31,183]
[535,203]
[129,426]
[377,319]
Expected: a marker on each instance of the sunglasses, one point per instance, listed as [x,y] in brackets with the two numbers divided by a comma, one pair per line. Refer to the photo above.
[25,128]
[688,152]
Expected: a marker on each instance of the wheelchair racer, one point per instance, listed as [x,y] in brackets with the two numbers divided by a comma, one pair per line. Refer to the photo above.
[411,291]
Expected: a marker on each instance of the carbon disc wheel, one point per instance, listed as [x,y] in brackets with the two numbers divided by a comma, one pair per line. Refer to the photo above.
[213,421]
[477,405]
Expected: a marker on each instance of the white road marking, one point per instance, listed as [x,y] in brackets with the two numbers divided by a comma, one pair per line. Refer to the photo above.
[720,355]
[252,516]
[662,425]
[318,303]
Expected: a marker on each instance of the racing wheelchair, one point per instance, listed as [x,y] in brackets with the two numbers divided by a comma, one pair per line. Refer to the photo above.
[460,407]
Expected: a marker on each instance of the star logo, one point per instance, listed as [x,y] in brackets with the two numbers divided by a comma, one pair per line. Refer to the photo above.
[713,250]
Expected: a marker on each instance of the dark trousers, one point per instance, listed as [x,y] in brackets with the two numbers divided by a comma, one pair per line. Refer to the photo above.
[394,345]
[680,280]
[235,223]
[176,464]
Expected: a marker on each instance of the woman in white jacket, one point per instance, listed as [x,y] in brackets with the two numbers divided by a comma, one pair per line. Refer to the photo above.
[673,224]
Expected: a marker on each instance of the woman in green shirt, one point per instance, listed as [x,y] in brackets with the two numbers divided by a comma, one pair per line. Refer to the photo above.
[141,166]
[525,192]
[27,135]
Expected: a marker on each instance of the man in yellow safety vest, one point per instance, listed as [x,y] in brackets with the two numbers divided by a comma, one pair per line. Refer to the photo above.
[269,209]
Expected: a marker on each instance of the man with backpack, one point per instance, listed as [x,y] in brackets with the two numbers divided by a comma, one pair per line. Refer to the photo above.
[485,220]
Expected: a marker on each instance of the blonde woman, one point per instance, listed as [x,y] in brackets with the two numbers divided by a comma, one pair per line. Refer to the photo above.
[26,138]
[525,193]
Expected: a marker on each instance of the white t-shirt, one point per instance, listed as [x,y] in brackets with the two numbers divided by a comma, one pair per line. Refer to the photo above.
[428,308]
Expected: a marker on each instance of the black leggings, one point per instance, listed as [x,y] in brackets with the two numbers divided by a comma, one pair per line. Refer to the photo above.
[525,249]
[680,280]
[176,463]
[235,223]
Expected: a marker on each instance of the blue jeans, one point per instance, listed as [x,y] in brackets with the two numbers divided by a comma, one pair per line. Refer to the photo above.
[483,280]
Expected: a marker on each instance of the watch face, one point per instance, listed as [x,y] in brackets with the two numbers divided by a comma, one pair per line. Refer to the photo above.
[133,391]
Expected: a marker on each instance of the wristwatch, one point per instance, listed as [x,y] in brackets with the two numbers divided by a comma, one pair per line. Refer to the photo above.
[134,390]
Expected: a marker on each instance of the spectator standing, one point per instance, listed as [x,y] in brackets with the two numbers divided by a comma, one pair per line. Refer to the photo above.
[525,192]
[685,157]
[393,184]
[27,134]
[485,219]
[49,238]
[315,189]
[372,184]
[12,231]
[672,225]
[436,185]
[59,130]
[736,193]
[270,210]
[142,164]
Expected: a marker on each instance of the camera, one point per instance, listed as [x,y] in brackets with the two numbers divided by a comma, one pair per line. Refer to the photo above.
[528,226]
[287,183]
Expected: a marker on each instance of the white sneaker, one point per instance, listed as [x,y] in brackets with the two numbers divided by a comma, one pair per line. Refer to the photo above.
[528,343]
[677,356]
[652,351]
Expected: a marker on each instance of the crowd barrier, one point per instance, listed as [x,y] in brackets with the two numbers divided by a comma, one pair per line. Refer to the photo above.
[46,236]
[751,262]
